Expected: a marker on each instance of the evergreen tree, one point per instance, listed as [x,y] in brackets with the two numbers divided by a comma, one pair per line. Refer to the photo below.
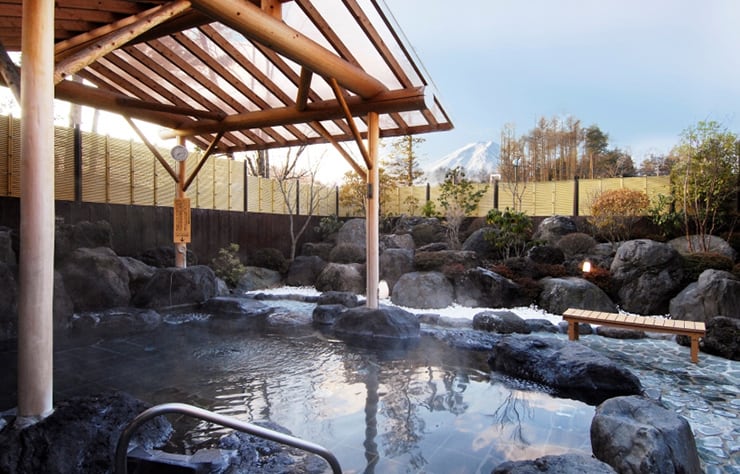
[403,160]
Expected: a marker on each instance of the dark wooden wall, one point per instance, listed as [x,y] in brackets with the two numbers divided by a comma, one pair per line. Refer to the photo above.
[138,228]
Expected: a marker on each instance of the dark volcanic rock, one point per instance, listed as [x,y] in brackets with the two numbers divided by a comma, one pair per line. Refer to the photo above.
[637,435]
[723,337]
[572,369]
[344,298]
[503,322]
[327,314]
[387,322]
[425,290]
[79,436]
[304,270]
[227,305]
[619,333]
[95,279]
[561,464]
[255,455]
[177,286]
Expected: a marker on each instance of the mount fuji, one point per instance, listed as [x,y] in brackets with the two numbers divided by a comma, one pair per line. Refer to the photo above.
[479,160]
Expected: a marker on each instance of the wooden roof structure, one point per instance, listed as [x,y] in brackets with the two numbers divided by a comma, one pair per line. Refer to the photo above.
[239,75]
[226,75]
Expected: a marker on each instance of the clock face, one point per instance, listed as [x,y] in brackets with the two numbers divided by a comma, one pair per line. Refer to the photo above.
[179,153]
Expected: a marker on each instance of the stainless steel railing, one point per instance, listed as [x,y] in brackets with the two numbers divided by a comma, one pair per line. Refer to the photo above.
[200,413]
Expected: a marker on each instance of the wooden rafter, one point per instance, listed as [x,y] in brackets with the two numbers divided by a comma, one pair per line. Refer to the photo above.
[250,21]
[209,151]
[339,93]
[153,149]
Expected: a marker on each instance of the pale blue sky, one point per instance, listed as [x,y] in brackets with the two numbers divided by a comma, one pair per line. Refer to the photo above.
[642,70]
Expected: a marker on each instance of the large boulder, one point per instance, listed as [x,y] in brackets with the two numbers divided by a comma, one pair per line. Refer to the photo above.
[478,243]
[95,279]
[637,435]
[342,277]
[387,322]
[138,273]
[425,290]
[446,261]
[229,306]
[424,230]
[116,321]
[723,337]
[478,287]
[715,293]
[712,244]
[8,303]
[177,286]
[395,262]
[304,270]
[245,453]
[79,436]
[353,232]
[164,257]
[572,370]
[7,254]
[649,274]
[258,278]
[348,253]
[556,464]
[63,306]
[397,241]
[551,229]
[317,249]
[559,294]
[546,254]
[84,234]
[502,322]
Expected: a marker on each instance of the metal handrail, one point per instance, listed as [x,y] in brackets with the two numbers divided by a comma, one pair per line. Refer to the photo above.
[200,413]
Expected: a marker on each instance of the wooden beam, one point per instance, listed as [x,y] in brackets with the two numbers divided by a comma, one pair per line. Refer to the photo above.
[171,109]
[209,151]
[10,73]
[117,38]
[304,89]
[274,8]
[252,22]
[116,103]
[350,121]
[392,101]
[154,150]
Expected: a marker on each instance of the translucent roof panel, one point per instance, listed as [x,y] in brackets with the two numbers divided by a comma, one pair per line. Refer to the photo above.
[260,79]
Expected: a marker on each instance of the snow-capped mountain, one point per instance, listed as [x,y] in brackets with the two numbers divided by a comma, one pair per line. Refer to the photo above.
[477,159]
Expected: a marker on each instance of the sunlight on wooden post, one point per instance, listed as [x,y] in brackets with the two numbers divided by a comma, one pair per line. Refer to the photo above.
[373,211]
[181,211]
[36,275]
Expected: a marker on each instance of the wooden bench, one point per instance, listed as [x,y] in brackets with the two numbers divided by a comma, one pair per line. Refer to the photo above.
[692,329]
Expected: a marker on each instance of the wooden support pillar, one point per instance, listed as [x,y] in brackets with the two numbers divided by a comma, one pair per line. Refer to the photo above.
[373,210]
[181,248]
[36,276]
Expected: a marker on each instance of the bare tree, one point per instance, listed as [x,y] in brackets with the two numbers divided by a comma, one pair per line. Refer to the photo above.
[290,179]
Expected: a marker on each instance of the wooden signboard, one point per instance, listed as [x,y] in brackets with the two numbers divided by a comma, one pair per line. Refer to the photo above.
[182,221]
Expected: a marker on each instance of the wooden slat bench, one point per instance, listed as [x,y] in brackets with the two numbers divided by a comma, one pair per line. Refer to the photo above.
[692,329]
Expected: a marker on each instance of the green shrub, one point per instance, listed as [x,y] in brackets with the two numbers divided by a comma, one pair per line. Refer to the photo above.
[663,215]
[328,225]
[511,234]
[429,210]
[270,258]
[227,265]
[695,263]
